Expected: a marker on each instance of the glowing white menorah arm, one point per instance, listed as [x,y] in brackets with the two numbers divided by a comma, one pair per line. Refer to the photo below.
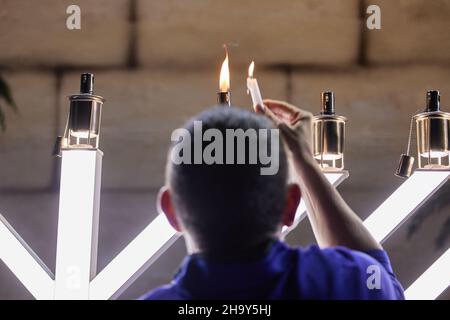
[404,201]
[146,248]
[24,263]
[79,201]
[433,281]
[133,260]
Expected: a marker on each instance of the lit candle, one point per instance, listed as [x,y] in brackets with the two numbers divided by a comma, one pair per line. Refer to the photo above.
[224,96]
[253,88]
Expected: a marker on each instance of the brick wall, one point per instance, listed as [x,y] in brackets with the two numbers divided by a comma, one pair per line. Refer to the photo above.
[157,64]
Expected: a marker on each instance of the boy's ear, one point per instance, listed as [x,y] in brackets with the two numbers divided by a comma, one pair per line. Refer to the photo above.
[165,206]
[293,198]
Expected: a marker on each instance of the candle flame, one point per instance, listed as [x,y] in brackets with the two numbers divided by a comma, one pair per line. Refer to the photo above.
[250,69]
[224,83]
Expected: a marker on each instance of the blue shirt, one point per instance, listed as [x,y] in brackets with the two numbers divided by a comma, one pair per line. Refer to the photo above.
[286,273]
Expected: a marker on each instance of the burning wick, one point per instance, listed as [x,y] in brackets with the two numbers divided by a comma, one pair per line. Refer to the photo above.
[224,83]
[253,88]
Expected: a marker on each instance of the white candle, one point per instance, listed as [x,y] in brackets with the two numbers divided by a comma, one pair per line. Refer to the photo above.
[253,88]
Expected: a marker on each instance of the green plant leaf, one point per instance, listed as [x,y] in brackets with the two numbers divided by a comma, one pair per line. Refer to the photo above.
[5,92]
[2,120]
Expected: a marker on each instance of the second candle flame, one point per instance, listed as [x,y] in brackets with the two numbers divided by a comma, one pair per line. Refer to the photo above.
[224,83]
[250,69]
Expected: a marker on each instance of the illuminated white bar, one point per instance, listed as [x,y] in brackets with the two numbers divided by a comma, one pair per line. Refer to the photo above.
[404,201]
[24,263]
[134,259]
[433,281]
[146,248]
[335,178]
[76,253]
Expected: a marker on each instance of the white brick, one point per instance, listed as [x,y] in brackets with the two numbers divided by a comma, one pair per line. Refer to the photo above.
[143,108]
[411,31]
[35,33]
[299,32]
[26,146]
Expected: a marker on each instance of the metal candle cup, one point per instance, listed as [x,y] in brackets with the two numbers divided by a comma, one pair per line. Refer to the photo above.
[433,134]
[224,98]
[83,124]
[328,136]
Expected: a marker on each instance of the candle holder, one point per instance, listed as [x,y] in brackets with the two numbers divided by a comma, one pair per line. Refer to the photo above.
[432,135]
[224,95]
[224,98]
[328,135]
[82,129]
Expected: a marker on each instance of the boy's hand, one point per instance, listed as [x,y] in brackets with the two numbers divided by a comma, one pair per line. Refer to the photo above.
[295,125]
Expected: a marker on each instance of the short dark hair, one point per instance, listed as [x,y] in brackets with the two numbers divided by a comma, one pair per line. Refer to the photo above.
[229,207]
